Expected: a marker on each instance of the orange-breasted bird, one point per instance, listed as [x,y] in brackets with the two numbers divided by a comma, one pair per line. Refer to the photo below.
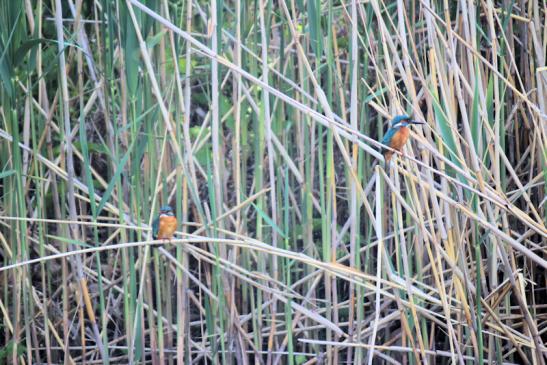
[397,135]
[165,225]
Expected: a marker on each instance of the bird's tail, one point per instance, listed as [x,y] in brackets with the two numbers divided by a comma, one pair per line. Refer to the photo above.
[387,159]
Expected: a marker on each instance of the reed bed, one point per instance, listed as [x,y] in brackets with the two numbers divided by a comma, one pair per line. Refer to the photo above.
[258,122]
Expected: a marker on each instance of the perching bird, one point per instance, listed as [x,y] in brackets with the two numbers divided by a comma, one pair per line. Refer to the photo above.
[397,135]
[165,225]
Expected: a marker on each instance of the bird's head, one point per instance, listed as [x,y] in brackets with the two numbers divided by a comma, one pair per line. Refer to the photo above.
[166,210]
[403,121]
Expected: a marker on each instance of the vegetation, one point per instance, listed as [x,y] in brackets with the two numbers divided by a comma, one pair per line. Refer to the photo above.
[258,122]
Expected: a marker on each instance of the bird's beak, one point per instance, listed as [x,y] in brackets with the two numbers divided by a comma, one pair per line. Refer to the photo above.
[416,122]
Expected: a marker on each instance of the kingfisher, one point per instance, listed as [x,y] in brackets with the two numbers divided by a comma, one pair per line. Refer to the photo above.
[397,135]
[165,225]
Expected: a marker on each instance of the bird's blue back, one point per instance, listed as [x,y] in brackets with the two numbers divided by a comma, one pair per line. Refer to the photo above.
[155,227]
[389,135]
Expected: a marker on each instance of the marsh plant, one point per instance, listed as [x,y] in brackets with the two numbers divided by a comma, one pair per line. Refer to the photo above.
[258,122]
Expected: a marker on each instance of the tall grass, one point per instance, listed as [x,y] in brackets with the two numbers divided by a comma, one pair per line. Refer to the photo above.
[258,122]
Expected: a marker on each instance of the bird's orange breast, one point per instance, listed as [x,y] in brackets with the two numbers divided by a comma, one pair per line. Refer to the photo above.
[167,227]
[400,138]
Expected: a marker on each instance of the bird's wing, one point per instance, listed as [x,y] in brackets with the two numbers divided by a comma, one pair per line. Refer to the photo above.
[155,228]
[388,136]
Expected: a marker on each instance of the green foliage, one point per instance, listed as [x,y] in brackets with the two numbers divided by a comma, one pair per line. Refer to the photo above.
[7,351]
[295,244]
